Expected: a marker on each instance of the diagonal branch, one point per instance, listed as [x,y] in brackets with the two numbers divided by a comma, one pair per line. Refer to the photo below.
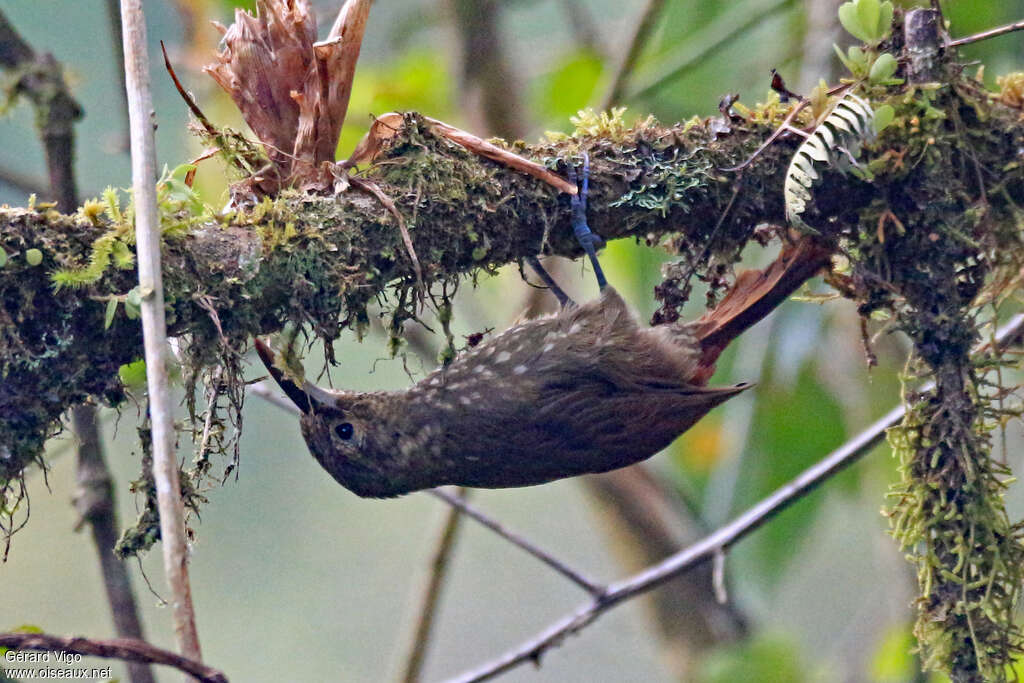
[515,539]
[985,35]
[719,541]
[126,649]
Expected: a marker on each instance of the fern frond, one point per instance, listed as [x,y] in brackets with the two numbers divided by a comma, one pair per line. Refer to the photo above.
[104,248]
[834,143]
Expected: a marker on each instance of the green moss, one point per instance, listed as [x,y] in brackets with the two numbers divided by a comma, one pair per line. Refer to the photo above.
[935,255]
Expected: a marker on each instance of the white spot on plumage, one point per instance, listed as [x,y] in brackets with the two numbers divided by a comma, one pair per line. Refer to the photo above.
[502,357]
[519,369]
[465,400]
[548,347]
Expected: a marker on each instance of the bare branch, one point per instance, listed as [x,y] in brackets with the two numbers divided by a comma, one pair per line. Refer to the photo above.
[154,327]
[489,91]
[42,81]
[985,35]
[23,182]
[127,649]
[514,538]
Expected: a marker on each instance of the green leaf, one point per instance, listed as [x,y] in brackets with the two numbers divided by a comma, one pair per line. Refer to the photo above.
[108,319]
[884,115]
[868,12]
[3,257]
[883,68]
[868,20]
[133,303]
[33,257]
[133,374]
[885,19]
[122,255]
[174,194]
[850,20]
[855,60]
[850,66]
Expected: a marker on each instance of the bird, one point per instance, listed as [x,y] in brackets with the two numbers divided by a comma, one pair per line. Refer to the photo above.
[586,389]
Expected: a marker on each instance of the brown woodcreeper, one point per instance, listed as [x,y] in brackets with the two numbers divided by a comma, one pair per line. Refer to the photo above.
[584,390]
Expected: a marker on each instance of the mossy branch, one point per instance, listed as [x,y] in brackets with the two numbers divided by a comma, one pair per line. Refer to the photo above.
[319,261]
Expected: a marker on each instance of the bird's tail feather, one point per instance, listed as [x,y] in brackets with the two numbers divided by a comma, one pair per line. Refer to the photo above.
[755,294]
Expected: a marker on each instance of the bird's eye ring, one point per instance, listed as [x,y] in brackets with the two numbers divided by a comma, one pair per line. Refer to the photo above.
[344,431]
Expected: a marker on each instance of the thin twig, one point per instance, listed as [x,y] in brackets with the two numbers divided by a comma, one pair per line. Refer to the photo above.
[550,560]
[782,128]
[372,188]
[431,597]
[154,328]
[712,545]
[127,649]
[647,520]
[190,102]
[641,34]
[985,35]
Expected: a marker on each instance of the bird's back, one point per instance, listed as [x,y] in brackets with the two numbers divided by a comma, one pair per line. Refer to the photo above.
[587,383]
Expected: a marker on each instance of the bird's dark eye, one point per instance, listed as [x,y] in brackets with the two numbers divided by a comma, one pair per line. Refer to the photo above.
[344,431]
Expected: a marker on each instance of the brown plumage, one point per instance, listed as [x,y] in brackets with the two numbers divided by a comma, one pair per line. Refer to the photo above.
[584,390]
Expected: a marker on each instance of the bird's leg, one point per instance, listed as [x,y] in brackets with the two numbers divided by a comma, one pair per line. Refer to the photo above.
[587,239]
[564,299]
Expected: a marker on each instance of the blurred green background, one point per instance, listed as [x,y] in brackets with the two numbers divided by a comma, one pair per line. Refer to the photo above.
[295,579]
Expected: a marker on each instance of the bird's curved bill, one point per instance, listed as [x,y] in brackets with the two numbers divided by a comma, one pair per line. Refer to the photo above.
[309,398]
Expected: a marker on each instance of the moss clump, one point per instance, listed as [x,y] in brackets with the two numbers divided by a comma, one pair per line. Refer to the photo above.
[934,254]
